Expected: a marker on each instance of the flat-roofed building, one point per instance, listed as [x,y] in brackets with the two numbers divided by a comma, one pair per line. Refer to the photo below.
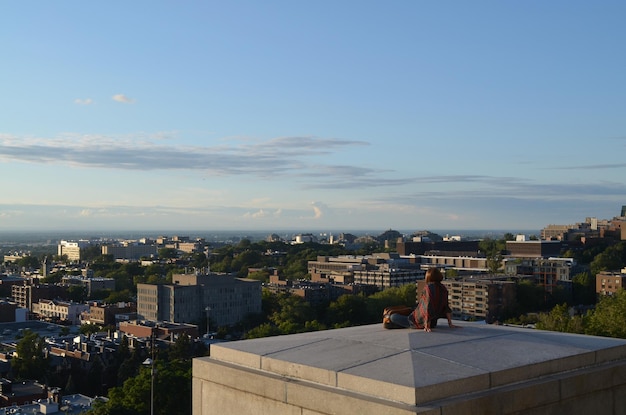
[20,393]
[26,295]
[609,283]
[462,264]
[71,249]
[533,249]
[107,314]
[92,284]
[56,310]
[7,282]
[7,311]
[548,272]
[130,250]
[483,299]
[450,247]
[382,270]
[161,330]
[317,292]
[191,297]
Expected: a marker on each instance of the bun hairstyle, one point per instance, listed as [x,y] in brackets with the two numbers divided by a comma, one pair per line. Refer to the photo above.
[433,275]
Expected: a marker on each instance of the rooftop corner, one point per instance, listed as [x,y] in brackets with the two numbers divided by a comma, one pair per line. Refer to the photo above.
[476,369]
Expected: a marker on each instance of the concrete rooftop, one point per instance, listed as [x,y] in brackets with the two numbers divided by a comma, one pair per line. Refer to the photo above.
[412,371]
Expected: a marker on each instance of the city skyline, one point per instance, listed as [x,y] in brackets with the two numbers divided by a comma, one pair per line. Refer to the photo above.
[321,116]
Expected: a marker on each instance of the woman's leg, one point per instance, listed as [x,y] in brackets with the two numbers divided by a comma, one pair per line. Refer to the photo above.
[400,320]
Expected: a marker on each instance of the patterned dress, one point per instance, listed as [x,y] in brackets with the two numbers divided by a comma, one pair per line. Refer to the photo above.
[432,305]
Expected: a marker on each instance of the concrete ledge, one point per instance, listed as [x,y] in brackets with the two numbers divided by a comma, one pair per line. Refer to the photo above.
[477,369]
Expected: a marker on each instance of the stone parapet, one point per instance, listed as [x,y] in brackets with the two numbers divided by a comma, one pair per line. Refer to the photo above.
[478,369]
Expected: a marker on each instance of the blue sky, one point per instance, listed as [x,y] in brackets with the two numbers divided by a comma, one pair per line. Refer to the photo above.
[323,115]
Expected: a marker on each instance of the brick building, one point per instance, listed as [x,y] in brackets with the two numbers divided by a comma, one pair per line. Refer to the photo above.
[608,283]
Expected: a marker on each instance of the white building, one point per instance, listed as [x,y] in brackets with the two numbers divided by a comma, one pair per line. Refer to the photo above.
[71,249]
[60,310]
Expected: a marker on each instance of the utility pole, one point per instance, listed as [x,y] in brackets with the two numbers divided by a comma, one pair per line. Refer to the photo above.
[150,362]
[208,321]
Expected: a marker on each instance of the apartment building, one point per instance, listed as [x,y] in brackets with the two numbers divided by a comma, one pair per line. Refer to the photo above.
[26,295]
[7,282]
[482,299]
[382,270]
[608,283]
[72,249]
[548,272]
[471,264]
[191,297]
[129,250]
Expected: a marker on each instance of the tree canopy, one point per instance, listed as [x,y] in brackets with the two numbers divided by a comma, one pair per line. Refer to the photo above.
[30,362]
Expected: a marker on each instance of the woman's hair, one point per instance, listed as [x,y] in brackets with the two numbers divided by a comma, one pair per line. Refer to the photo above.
[433,275]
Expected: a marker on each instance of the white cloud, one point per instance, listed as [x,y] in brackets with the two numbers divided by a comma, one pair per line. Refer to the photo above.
[318,210]
[256,215]
[86,101]
[85,212]
[123,99]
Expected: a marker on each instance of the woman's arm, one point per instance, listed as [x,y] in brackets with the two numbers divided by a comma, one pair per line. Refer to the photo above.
[449,317]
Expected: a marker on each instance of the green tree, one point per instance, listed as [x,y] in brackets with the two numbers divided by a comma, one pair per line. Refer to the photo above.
[262,275]
[123,280]
[292,314]
[167,253]
[118,297]
[53,278]
[91,252]
[30,362]
[181,348]
[88,329]
[263,330]
[376,303]
[28,262]
[559,319]
[93,381]
[583,289]
[452,273]
[198,260]
[369,248]
[608,317]
[77,293]
[611,259]
[348,310]
[134,397]
[244,260]
[493,249]
[530,297]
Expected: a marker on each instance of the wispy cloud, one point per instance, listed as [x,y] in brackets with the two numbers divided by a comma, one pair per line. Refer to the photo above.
[83,101]
[272,158]
[259,214]
[606,166]
[123,99]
